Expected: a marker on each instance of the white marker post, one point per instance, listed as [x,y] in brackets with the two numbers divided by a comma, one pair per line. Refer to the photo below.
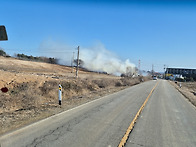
[60,94]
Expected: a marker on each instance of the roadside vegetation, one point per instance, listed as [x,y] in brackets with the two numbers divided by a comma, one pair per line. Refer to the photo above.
[37,59]
[188,89]
[33,90]
[30,58]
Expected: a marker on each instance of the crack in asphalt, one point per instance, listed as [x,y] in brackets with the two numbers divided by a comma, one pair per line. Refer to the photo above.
[58,132]
[137,144]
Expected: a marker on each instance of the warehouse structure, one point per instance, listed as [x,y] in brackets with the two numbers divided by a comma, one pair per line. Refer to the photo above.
[185,72]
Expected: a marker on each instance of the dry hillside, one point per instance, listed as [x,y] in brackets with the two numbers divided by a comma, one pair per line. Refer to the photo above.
[33,90]
[188,89]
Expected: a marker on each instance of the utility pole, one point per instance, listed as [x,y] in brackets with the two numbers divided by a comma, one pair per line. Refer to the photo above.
[77,62]
[139,66]
[152,69]
[60,94]
[164,72]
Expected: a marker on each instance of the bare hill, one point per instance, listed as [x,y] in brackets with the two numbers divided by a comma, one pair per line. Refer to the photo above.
[33,90]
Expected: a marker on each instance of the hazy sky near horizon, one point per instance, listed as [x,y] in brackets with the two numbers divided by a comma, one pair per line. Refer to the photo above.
[156,32]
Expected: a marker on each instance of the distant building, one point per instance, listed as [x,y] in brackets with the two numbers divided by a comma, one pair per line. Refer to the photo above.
[185,72]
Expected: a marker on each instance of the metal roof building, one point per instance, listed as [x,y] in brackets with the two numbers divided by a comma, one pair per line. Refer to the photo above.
[185,72]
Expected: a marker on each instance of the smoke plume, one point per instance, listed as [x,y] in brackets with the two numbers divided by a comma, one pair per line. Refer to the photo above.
[96,58]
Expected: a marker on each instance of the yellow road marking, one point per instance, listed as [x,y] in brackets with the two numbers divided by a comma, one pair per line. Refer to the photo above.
[130,128]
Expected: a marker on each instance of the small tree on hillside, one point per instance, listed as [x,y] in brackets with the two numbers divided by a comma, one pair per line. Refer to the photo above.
[81,63]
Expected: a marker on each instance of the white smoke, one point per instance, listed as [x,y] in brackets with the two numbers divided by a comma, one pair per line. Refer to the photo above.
[96,58]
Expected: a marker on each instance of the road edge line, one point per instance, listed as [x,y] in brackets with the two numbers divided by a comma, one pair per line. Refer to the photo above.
[130,128]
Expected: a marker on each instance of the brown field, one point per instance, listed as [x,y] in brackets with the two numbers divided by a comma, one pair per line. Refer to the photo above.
[33,90]
[188,89]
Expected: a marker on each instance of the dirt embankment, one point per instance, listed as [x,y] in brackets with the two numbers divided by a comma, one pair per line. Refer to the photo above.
[188,89]
[33,90]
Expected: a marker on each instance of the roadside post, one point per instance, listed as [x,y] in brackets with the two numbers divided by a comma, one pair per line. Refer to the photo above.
[60,94]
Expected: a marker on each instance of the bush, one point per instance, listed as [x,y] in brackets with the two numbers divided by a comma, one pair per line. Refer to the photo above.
[48,86]
[101,83]
[118,84]
[38,59]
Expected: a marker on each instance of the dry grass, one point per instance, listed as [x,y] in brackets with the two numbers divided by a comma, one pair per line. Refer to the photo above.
[188,89]
[33,90]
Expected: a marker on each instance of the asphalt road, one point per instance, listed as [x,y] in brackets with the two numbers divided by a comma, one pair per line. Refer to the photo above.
[167,120]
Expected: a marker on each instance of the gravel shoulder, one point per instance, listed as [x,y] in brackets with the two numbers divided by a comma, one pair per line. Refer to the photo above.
[188,89]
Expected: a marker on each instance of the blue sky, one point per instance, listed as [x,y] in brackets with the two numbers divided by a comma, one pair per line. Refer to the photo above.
[156,32]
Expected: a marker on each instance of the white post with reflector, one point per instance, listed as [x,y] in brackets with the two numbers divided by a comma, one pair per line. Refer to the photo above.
[60,94]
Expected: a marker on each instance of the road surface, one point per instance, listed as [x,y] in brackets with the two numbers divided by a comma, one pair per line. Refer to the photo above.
[168,119]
